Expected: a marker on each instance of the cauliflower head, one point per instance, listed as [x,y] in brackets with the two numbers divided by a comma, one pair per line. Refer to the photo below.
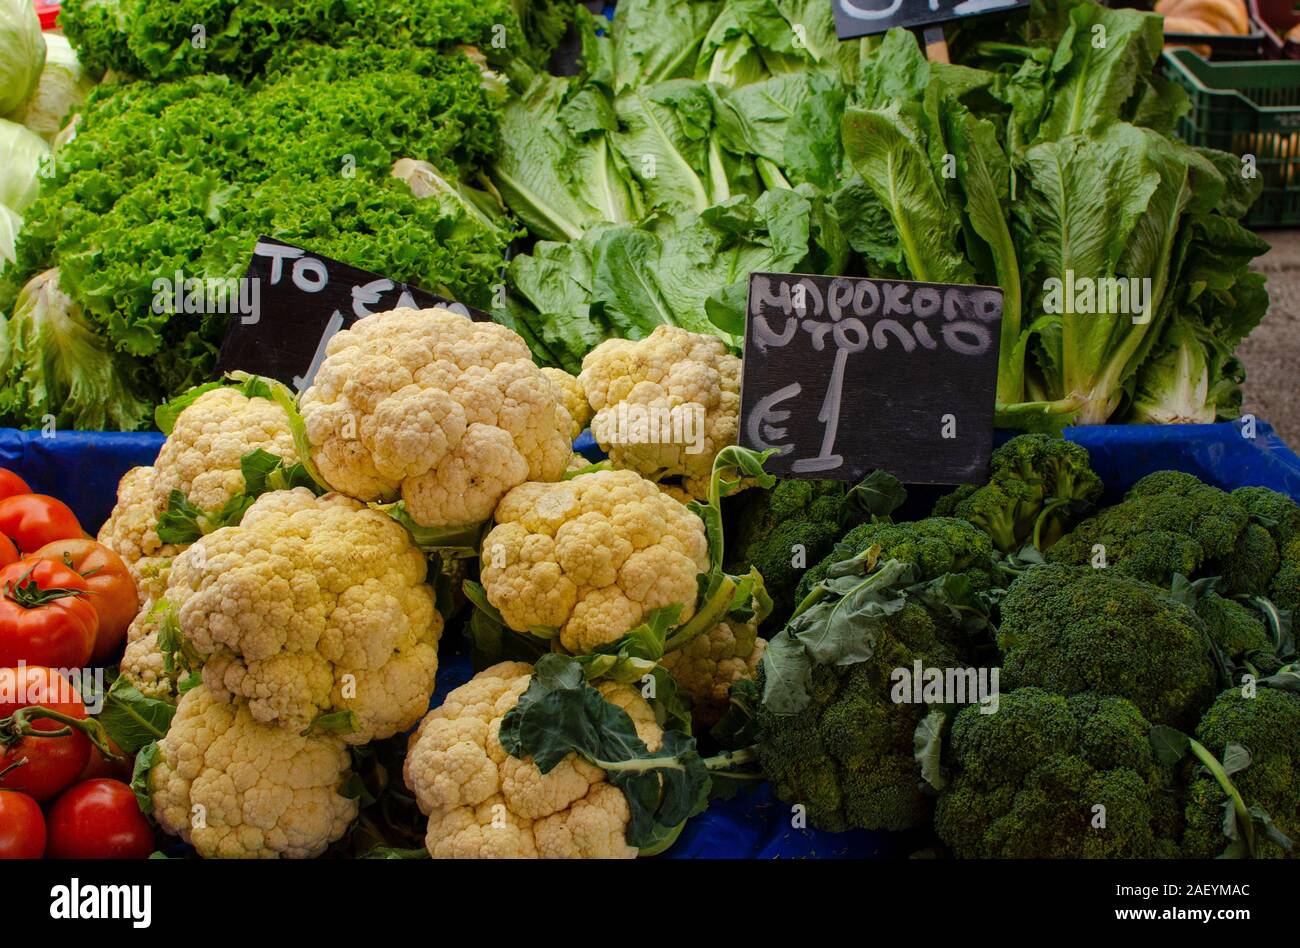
[143,663]
[200,458]
[677,378]
[131,529]
[235,788]
[591,556]
[572,397]
[312,606]
[707,666]
[483,803]
[446,413]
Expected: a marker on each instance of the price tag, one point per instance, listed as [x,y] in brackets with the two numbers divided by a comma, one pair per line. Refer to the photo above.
[844,375]
[854,18]
[301,300]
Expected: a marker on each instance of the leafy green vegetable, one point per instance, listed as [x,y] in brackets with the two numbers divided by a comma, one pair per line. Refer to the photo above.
[132,720]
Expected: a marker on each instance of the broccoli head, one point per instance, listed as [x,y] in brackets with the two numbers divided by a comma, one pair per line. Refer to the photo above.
[770,527]
[1239,632]
[1169,523]
[1250,568]
[1285,588]
[1276,511]
[1035,483]
[848,755]
[1048,776]
[1267,725]
[934,546]
[1075,629]
[1279,516]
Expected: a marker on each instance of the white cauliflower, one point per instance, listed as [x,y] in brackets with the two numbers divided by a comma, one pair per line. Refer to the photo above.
[131,529]
[707,666]
[143,663]
[483,803]
[446,413]
[235,788]
[591,556]
[573,398]
[312,606]
[664,405]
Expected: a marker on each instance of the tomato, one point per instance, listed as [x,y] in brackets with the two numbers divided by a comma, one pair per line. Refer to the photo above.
[101,765]
[22,826]
[52,762]
[112,590]
[11,485]
[8,552]
[98,819]
[46,617]
[33,520]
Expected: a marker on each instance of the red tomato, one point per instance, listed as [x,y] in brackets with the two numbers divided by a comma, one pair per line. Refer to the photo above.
[99,819]
[52,762]
[46,617]
[112,590]
[8,552]
[33,520]
[11,485]
[98,765]
[22,827]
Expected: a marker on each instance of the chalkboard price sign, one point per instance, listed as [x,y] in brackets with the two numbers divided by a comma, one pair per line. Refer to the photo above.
[855,18]
[301,299]
[843,375]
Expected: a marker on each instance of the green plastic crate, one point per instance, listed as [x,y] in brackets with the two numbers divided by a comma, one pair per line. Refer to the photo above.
[1247,108]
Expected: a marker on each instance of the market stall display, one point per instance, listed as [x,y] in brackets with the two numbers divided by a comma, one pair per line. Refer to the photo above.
[522,580]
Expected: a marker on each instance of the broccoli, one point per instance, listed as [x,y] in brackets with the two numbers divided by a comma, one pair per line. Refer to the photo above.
[846,751]
[1267,725]
[1035,484]
[1253,563]
[1075,629]
[1239,632]
[770,524]
[1280,516]
[936,546]
[1027,781]
[1169,523]
[1285,588]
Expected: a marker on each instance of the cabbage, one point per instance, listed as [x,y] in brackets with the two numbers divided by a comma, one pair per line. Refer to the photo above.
[22,53]
[62,89]
[10,223]
[22,153]
[52,360]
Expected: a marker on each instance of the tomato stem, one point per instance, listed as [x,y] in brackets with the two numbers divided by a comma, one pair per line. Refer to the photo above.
[29,594]
[19,725]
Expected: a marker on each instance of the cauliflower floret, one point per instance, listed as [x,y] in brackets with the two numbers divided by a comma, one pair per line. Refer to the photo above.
[142,661]
[483,803]
[591,556]
[238,789]
[708,666]
[573,398]
[311,606]
[446,413]
[665,405]
[200,458]
[131,529]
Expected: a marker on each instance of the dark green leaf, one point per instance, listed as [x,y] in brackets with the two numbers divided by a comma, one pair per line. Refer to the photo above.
[145,760]
[1169,744]
[131,719]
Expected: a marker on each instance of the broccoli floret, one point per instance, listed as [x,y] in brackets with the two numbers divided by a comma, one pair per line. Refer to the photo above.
[1074,629]
[1035,483]
[1268,726]
[1168,523]
[771,523]
[1285,588]
[1027,781]
[1239,632]
[935,546]
[1278,512]
[848,756]
[1253,563]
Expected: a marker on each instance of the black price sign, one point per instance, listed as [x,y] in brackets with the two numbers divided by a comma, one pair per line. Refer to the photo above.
[855,18]
[298,300]
[843,375]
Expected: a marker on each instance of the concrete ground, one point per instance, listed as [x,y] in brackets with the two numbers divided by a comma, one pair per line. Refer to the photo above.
[1271,353]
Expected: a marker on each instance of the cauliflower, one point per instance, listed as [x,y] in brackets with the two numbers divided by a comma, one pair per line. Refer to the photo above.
[706,667]
[684,384]
[235,788]
[481,802]
[143,663]
[446,413]
[590,557]
[572,397]
[201,455]
[131,529]
[311,606]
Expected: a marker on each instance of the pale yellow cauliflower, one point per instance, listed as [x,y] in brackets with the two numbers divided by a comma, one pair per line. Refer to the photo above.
[130,530]
[200,458]
[706,667]
[446,413]
[235,788]
[312,606]
[573,398]
[591,556]
[142,661]
[664,405]
[483,803]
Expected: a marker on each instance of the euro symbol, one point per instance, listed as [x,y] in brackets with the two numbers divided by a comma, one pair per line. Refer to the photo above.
[761,425]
